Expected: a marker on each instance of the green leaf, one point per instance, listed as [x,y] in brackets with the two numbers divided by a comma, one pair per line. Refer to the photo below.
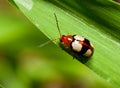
[97,20]
[1,86]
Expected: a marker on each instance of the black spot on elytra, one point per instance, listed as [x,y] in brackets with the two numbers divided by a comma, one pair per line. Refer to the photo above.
[83,50]
[87,41]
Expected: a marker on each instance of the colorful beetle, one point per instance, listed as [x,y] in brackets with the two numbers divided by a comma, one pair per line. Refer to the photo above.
[77,46]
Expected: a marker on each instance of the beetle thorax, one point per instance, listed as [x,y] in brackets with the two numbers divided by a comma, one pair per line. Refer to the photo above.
[66,40]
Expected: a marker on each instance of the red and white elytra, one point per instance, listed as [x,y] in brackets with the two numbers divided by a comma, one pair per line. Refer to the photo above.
[77,46]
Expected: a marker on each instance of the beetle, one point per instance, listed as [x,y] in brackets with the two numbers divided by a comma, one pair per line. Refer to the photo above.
[77,46]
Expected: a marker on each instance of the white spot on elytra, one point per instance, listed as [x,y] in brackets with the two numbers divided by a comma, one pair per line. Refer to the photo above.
[88,53]
[28,4]
[76,46]
[77,37]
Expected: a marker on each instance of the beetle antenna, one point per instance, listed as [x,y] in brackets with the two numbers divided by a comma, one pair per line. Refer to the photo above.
[57,24]
[45,43]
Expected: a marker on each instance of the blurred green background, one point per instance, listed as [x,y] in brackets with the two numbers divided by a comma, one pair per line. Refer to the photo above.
[25,65]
